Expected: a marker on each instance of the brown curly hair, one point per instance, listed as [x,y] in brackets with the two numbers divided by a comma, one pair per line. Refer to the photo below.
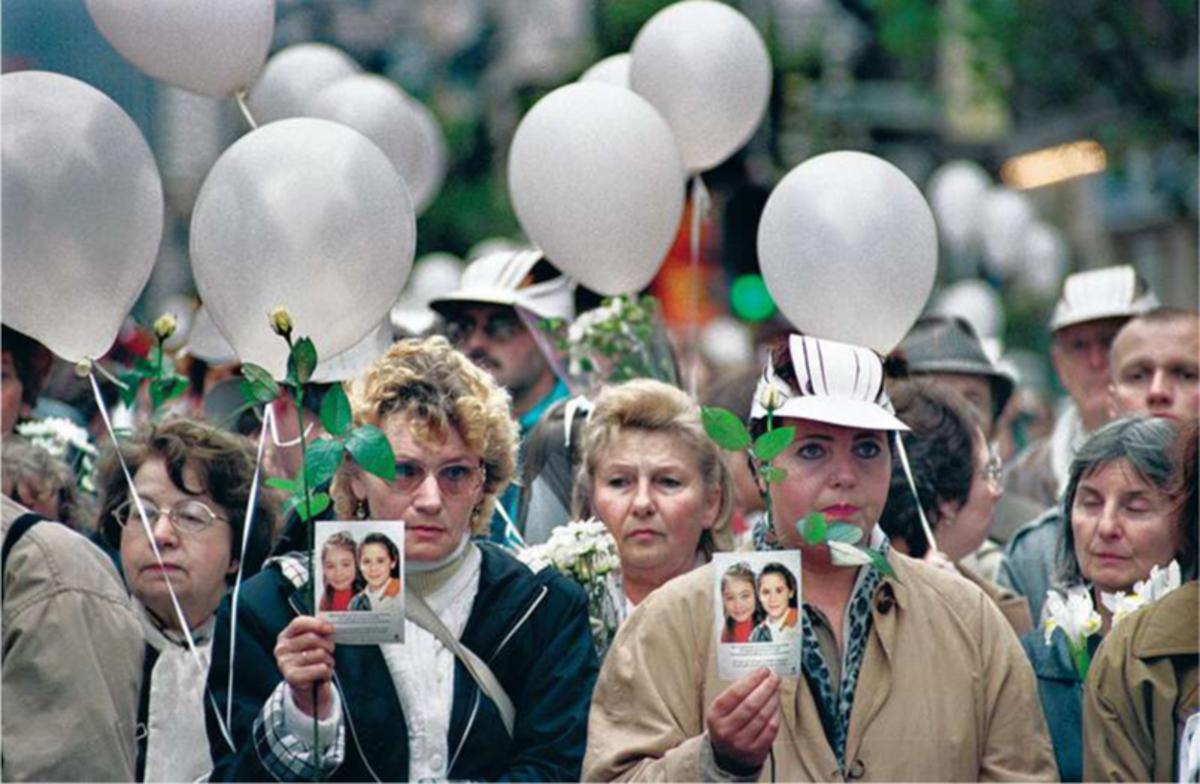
[436,388]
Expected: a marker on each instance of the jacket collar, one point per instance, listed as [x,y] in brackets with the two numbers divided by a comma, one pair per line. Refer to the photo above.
[1173,632]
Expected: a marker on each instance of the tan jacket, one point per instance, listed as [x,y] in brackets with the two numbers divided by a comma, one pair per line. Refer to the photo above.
[944,694]
[1013,606]
[72,666]
[1141,688]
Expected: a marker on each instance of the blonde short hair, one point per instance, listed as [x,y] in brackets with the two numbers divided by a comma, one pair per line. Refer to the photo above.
[646,404]
[436,388]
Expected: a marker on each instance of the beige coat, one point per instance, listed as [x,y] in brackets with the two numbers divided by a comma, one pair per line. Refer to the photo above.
[945,692]
[1141,687]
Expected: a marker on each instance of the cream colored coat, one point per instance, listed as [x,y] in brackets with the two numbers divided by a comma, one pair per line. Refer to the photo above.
[945,692]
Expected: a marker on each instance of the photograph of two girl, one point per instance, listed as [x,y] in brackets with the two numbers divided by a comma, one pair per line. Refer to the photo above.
[359,581]
[758,617]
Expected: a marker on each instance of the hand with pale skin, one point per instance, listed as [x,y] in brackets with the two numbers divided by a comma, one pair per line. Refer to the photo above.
[304,654]
[743,721]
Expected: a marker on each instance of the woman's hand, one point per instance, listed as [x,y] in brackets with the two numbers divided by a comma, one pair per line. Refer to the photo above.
[744,720]
[304,654]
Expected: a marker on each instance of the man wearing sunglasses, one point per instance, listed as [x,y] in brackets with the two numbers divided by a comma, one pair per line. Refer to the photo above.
[494,318]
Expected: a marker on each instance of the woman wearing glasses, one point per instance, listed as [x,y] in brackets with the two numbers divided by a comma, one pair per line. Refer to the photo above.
[496,687]
[193,481]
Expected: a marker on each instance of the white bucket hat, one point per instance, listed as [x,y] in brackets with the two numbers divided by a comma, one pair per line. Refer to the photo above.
[1110,292]
[839,384]
[503,278]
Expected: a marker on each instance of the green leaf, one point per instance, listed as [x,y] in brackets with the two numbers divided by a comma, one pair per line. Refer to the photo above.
[724,428]
[302,361]
[770,444]
[160,391]
[844,532]
[770,474]
[843,554]
[321,460]
[320,502]
[133,382]
[257,384]
[880,562]
[335,411]
[174,386]
[812,528]
[370,449]
[145,367]
[279,483]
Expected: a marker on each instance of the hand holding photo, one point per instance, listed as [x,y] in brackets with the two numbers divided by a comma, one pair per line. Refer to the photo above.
[360,584]
[756,613]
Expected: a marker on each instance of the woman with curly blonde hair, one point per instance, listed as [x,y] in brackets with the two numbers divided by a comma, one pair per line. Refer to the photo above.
[496,685]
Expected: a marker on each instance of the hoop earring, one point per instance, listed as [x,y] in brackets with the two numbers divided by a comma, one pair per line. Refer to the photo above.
[360,509]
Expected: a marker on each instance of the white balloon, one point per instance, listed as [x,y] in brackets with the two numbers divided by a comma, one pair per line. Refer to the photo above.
[490,245]
[293,76]
[433,160]
[82,212]
[706,68]
[378,109]
[848,249]
[306,214]
[956,193]
[597,183]
[1044,260]
[1007,215]
[434,275]
[206,342]
[975,301]
[354,361]
[727,343]
[216,47]
[612,70]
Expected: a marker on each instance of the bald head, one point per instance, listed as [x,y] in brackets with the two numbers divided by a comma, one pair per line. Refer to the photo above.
[1155,365]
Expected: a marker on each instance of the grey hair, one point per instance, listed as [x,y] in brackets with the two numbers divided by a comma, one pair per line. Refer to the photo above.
[1145,443]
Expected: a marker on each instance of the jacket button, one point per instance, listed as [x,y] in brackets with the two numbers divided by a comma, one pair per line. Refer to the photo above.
[885,601]
[857,769]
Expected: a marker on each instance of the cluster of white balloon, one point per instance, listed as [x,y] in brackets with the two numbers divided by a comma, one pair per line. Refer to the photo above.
[314,209]
[975,215]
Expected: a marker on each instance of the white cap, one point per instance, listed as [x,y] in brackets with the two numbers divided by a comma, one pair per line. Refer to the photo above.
[503,278]
[839,384]
[1110,292]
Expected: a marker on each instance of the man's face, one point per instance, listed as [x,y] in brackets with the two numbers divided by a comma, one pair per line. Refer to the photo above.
[976,389]
[1080,353]
[493,337]
[1156,369]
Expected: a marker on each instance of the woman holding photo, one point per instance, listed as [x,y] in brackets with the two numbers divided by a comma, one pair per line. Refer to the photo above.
[908,675]
[777,592]
[416,710]
[339,568]
[379,562]
[739,597]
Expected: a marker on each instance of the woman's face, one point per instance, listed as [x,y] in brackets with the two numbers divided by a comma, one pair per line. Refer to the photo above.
[339,568]
[973,519]
[738,596]
[648,490]
[774,594]
[841,472]
[376,564]
[1123,526]
[437,511]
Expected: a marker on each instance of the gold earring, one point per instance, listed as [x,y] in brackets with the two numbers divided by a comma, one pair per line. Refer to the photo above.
[360,509]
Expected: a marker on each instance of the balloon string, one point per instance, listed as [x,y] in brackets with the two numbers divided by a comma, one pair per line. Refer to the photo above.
[700,205]
[104,372]
[268,417]
[269,423]
[912,485]
[149,533]
[240,95]
[543,343]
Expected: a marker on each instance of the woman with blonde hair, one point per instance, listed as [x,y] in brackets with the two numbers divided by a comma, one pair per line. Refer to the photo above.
[656,480]
[494,678]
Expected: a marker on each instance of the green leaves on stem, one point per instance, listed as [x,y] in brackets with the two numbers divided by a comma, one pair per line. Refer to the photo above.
[165,384]
[843,542]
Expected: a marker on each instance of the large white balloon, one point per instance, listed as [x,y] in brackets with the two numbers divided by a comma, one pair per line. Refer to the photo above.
[612,70]
[848,249]
[293,76]
[1044,260]
[956,193]
[433,161]
[597,183]
[82,212]
[354,361]
[378,109]
[977,302]
[306,214]
[206,342]
[216,47]
[1006,216]
[706,68]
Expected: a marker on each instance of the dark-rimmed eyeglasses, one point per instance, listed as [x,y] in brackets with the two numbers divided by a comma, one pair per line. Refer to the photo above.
[452,479]
[500,327]
[189,517]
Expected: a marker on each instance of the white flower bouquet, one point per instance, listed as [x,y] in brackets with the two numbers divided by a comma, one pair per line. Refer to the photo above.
[1073,614]
[1160,583]
[624,338]
[65,440]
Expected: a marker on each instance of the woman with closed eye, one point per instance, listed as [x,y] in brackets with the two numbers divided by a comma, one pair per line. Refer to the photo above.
[495,673]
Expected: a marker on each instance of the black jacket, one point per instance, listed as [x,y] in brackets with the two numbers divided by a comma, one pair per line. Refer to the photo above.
[531,629]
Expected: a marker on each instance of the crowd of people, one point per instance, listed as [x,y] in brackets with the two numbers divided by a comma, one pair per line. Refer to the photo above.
[1020,614]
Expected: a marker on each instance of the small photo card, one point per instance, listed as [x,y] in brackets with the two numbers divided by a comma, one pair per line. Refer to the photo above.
[360,579]
[756,612]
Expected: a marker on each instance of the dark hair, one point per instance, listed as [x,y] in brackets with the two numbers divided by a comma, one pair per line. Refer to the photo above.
[1145,443]
[386,541]
[777,568]
[31,360]
[941,447]
[1184,485]
[345,541]
[742,571]
[223,464]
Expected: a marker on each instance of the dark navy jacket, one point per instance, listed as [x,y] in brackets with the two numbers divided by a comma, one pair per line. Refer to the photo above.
[531,629]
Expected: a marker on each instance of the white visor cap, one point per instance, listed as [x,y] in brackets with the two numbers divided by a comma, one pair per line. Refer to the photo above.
[839,384]
[503,278]
[1110,292]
